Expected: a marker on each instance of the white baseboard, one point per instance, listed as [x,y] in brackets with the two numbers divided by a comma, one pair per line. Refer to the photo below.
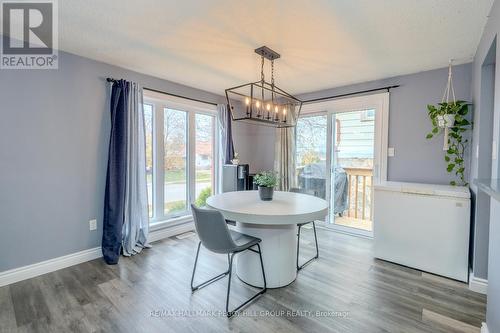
[51,265]
[159,234]
[477,284]
[47,266]
[484,328]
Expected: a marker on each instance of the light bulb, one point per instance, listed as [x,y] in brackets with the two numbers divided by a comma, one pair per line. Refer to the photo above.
[268,107]
[276,109]
[284,111]
[257,104]
[247,100]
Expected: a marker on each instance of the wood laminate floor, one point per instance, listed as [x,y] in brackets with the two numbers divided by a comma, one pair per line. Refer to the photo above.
[346,290]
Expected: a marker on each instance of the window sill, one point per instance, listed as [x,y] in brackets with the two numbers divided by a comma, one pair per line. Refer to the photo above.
[158,225]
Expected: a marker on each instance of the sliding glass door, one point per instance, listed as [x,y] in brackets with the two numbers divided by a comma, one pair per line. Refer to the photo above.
[341,154]
[311,155]
[353,149]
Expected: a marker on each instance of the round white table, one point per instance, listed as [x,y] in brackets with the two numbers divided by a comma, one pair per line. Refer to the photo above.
[275,222]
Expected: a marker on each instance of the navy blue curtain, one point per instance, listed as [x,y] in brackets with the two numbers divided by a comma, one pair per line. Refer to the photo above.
[114,200]
[229,138]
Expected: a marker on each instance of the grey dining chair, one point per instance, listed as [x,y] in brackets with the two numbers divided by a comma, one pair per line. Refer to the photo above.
[216,237]
[299,226]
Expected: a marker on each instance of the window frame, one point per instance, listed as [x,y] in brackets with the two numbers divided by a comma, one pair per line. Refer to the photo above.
[160,102]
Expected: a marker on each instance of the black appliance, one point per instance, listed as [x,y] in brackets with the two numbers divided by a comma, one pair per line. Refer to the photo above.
[236,178]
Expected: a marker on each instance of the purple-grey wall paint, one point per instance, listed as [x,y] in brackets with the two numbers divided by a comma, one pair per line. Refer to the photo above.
[416,159]
[488,234]
[255,145]
[54,133]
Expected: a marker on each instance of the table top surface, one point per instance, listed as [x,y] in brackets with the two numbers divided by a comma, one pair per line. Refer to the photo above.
[285,208]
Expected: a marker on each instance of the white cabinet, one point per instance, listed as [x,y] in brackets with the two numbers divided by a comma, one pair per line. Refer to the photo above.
[423,226]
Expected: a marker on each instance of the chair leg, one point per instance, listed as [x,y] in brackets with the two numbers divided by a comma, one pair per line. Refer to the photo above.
[232,312]
[206,283]
[299,267]
[262,267]
[298,246]
[316,240]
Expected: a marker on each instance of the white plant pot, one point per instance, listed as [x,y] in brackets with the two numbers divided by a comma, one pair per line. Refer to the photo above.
[446,121]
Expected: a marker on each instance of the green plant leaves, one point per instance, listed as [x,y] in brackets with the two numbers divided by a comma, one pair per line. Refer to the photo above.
[457,144]
[266,179]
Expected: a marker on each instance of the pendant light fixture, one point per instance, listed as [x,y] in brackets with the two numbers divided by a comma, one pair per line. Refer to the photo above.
[263,102]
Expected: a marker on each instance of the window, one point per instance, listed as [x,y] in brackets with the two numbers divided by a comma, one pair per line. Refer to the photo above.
[175,161]
[204,157]
[367,115]
[180,153]
[311,154]
[148,124]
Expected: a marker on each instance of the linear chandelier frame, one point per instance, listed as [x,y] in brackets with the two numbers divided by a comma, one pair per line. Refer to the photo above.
[262,102]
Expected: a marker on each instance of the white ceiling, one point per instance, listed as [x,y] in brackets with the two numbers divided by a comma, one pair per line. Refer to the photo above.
[209,44]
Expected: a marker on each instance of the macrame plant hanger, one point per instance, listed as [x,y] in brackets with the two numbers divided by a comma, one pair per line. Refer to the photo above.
[448,120]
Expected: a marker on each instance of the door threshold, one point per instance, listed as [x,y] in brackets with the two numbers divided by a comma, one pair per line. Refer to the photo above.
[345,231]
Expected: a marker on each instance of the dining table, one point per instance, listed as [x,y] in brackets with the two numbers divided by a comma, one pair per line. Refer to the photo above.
[275,223]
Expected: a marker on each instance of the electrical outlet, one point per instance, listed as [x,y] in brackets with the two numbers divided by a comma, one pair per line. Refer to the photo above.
[390,152]
[93,225]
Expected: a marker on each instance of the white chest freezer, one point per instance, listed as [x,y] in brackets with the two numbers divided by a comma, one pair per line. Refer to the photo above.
[423,226]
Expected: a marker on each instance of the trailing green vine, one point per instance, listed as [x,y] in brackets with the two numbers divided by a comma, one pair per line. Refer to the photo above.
[457,144]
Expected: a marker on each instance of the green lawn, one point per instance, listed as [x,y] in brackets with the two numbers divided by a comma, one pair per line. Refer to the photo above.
[175,206]
[179,176]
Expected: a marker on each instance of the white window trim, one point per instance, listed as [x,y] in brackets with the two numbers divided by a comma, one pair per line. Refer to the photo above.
[159,102]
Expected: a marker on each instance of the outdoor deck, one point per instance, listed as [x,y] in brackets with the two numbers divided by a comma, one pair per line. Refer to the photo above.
[354,223]
[360,194]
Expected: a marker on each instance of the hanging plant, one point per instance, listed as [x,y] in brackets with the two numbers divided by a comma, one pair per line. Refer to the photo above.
[451,116]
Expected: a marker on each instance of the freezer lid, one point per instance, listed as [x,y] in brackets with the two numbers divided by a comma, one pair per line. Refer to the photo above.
[425,189]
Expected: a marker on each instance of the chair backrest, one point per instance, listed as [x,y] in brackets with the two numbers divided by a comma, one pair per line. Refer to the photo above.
[295,190]
[212,230]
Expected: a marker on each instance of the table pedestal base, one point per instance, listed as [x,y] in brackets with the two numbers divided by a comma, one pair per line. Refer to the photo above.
[279,247]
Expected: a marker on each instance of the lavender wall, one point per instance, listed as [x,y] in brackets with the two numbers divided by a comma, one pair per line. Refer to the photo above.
[255,145]
[54,132]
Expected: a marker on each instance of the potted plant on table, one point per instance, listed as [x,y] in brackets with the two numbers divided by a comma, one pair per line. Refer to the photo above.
[266,181]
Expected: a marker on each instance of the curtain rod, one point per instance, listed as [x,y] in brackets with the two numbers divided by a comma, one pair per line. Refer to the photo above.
[109,79]
[388,88]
